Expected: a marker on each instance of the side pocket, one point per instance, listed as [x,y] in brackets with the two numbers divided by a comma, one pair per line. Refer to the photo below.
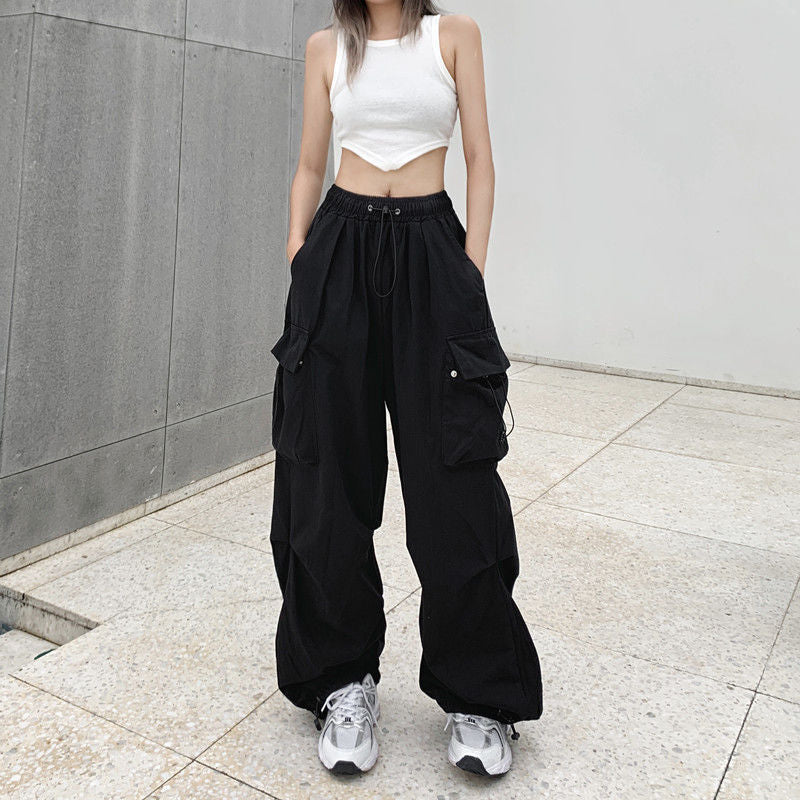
[458,235]
[474,394]
[293,263]
[294,418]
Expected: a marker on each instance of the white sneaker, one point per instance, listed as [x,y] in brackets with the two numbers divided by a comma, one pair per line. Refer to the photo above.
[348,743]
[478,744]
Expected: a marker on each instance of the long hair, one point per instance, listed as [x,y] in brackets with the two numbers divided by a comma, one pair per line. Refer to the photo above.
[351,18]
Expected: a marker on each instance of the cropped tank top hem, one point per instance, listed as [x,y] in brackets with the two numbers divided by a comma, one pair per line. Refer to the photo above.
[401,104]
[387,164]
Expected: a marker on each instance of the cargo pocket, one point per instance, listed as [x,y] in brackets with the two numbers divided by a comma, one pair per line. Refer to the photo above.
[294,418]
[473,398]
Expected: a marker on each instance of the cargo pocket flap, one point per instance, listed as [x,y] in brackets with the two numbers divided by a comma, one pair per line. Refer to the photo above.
[478,353]
[290,347]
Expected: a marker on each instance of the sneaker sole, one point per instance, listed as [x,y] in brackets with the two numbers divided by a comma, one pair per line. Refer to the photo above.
[345,768]
[472,764]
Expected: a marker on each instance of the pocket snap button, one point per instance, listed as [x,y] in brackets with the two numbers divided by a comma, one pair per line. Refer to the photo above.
[453,373]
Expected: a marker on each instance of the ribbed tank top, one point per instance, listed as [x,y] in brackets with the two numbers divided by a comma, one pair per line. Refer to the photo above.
[402,102]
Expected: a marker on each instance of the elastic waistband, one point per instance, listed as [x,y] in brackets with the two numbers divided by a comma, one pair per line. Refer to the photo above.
[351,204]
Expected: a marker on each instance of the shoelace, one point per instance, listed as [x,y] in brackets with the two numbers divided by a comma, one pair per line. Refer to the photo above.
[346,704]
[484,723]
[384,209]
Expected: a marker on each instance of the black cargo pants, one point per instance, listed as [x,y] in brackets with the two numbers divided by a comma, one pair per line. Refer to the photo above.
[385,306]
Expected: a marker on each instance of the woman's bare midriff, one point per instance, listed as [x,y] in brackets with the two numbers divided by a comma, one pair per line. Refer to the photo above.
[422,175]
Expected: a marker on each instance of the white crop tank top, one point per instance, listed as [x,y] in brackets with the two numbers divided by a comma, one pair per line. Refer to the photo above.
[402,102]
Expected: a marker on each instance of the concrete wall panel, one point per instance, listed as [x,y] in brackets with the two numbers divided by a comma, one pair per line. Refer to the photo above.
[155,16]
[264,26]
[232,229]
[90,324]
[10,7]
[15,48]
[309,16]
[49,501]
[212,442]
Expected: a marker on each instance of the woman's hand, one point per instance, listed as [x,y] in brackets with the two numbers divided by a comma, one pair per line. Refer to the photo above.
[481,265]
[292,246]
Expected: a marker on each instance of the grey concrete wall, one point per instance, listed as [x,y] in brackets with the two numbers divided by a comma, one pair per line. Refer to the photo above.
[147,149]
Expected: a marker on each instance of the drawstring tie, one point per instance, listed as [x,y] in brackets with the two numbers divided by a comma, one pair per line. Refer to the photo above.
[503,432]
[318,709]
[384,209]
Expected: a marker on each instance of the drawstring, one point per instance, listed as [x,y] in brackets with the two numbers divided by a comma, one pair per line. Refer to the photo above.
[385,209]
[318,714]
[503,433]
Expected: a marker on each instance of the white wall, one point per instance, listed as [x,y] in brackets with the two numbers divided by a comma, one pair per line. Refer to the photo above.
[647,206]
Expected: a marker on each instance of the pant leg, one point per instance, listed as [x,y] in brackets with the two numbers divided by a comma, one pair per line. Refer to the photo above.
[329,433]
[449,386]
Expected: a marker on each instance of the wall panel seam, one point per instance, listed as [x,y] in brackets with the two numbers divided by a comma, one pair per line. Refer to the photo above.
[21,184]
[174,255]
[182,38]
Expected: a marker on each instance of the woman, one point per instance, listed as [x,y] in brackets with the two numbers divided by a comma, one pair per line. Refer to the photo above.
[387,305]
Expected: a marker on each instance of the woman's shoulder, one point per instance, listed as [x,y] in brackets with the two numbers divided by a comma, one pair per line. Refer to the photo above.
[320,43]
[459,27]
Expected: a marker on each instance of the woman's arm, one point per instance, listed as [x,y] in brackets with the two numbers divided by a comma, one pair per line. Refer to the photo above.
[466,38]
[314,141]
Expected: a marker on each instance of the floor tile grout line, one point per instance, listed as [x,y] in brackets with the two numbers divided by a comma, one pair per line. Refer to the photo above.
[132,612]
[235,725]
[220,538]
[684,381]
[654,661]
[780,553]
[778,698]
[213,504]
[741,413]
[708,459]
[613,440]
[778,632]
[604,392]
[735,744]
[80,566]
[671,399]
[95,715]
[533,428]
[597,452]
[238,780]
[138,734]
[168,779]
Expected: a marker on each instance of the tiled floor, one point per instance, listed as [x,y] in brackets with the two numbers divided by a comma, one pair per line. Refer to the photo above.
[659,535]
